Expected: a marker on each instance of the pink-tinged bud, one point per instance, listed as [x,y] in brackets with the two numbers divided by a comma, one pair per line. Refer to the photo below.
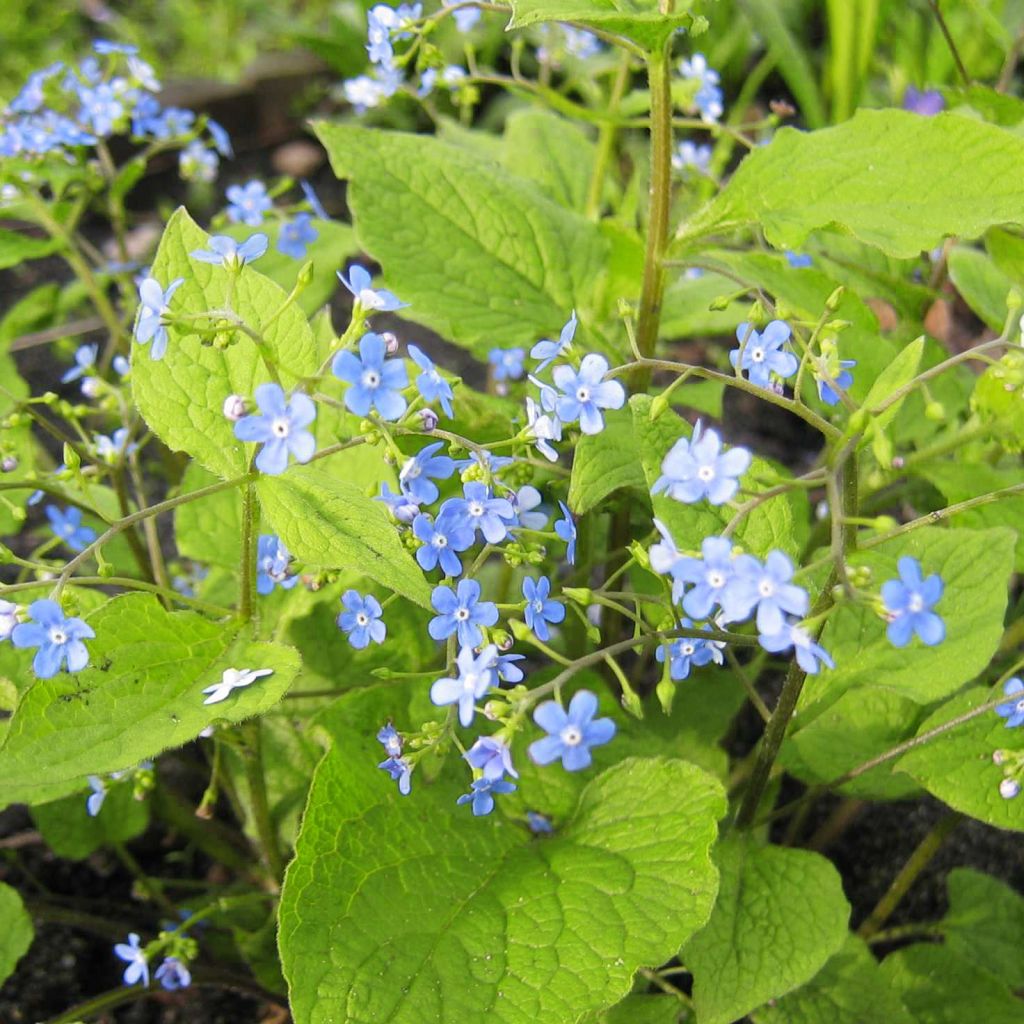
[1009,788]
[428,418]
[998,756]
[390,342]
[90,387]
[9,463]
[897,462]
[235,407]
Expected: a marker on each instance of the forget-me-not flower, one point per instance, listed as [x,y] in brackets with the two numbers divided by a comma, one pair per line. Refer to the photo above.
[1013,710]
[492,757]
[524,501]
[547,350]
[248,203]
[441,539]
[400,771]
[543,428]
[8,619]
[280,427]
[691,154]
[375,382]
[696,468]
[540,608]
[152,323]
[763,354]
[430,384]
[135,957]
[418,474]
[94,802]
[686,653]
[390,739]
[809,655]
[461,611]
[480,510]
[767,588]
[585,393]
[711,575]
[843,380]
[230,254]
[272,559]
[508,670]
[402,506]
[173,974]
[506,363]
[667,560]
[67,524]
[571,733]
[566,530]
[909,602]
[476,676]
[85,360]
[361,619]
[296,236]
[377,299]
[709,94]
[481,794]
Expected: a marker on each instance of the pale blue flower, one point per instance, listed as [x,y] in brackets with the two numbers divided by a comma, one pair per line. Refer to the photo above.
[430,384]
[173,974]
[296,236]
[59,639]
[586,392]
[540,608]
[67,524]
[492,757]
[248,203]
[763,354]
[809,655]
[152,322]
[481,794]
[441,539]
[375,382]
[909,602]
[461,611]
[565,528]
[1013,710]
[379,300]
[229,254]
[476,676]
[571,733]
[135,957]
[697,468]
[272,560]
[418,474]
[361,619]
[547,350]
[280,427]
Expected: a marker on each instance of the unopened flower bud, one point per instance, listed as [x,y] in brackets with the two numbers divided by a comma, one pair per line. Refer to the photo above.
[897,462]
[935,411]
[1009,788]
[502,638]
[998,756]
[390,342]
[428,419]
[91,387]
[833,302]
[9,463]
[234,407]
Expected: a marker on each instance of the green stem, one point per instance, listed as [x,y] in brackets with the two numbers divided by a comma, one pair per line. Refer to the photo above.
[106,1001]
[129,584]
[258,801]
[247,566]
[208,836]
[606,137]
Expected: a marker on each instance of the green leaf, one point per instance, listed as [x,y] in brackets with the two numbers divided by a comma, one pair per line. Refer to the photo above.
[334,243]
[606,462]
[975,566]
[780,915]
[639,20]
[939,987]
[551,151]
[849,989]
[779,522]
[985,924]
[480,254]
[957,766]
[209,530]
[141,695]
[900,372]
[17,248]
[641,1009]
[423,912]
[997,399]
[17,933]
[329,523]
[70,831]
[981,284]
[181,396]
[1007,252]
[890,178]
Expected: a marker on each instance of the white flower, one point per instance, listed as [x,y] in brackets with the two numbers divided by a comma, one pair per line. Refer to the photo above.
[233,679]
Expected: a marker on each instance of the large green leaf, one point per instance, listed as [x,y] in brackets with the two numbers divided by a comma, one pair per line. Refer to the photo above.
[640,20]
[483,257]
[410,909]
[70,831]
[181,396]
[328,522]
[981,284]
[957,765]
[141,695]
[888,177]
[552,151]
[779,916]
[939,987]
[975,566]
[849,989]
[606,462]
[17,933]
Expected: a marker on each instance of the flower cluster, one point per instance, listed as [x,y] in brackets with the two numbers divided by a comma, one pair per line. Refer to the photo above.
[708,98]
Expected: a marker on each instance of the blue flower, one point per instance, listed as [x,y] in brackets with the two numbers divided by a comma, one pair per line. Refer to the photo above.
[221,139]
[479,510]
[375,382]
[492,757]
[248,203]
[666,559]
[296,235]
[466,18]
[101,108]
[279,426]
[197,163]
[539,824]
[763,354]
[690,652]
[712,574]
[85,359]
[843,380]
[95,799]
[1013,711]
[404,508]
[390,739]
[135,957]
[461,611]
[152,323]
[506,363]
[481,794]
[431,385]
[543,428]
[476,677]
[441,540]
[926,102]
[909,601]
[709,95]
[524,501]
[114,448]
[508,670]
[229,254]
[690,154]
[768,589]
[586,392]
[401,771]
[798,260]
[547,350]
[570,734]
[67,525]
[379,300]
[314,201]
[8,619]
[418,474]
[696,468]
[566,530]
[105,46]
[488,462]
[540,609]
[808,653]
[272,559]
[173,974]
[361,619]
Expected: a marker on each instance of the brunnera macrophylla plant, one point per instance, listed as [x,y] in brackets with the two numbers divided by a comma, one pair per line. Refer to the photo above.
[453,650]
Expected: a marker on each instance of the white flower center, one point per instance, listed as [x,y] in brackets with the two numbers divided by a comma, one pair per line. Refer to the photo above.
[476,509]
[362,619]
[370,299]
[583,394]
[371,379]
[58,636]
[766,588]
[757,354]
[1020,707]
[916,603]
[571,736]
[687,650]
[706,474]
[462,614]
[280,427]
[716,579]
[538,605]
[440,540]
